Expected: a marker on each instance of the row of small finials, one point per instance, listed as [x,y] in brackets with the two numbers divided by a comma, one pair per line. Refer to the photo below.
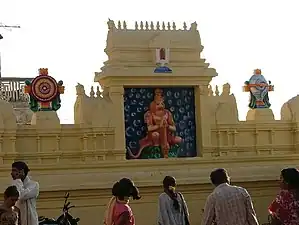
[226,86]
[150,26]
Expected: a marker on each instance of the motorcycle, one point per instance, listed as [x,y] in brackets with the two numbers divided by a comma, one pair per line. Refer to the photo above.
[64,219]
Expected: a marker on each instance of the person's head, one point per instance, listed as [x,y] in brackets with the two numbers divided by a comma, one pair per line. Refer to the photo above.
[19,169]
[169,183]
[124,189]
[289,178]
[257,72]
[11,196]
[219,176]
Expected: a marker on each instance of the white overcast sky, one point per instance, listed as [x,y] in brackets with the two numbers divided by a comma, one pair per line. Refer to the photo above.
[68,37]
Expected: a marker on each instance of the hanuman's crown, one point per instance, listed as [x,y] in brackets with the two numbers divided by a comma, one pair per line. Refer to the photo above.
[158,91]
[257,71]
[43,71]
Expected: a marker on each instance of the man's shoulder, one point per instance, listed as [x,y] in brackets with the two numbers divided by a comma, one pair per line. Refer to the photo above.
[239,190]
[236,188]
[230,188]
[212,196]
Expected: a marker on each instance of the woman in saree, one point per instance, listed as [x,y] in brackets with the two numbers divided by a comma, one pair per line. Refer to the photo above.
[284,210]
[9,213]
[118,210]
[172,208]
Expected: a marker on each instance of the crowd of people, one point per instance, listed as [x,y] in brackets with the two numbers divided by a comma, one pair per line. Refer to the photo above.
[226,205]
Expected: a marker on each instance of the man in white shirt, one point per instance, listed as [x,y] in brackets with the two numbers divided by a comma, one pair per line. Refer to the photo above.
[28,190]
[228,204]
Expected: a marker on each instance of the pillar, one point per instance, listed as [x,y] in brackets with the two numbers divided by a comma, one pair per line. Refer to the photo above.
[203,131]
[116,95]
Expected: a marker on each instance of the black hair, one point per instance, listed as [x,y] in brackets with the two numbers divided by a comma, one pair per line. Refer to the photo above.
[291,177]
[125,188]
[21,166]
[11,191]
[167,182]
[219,176]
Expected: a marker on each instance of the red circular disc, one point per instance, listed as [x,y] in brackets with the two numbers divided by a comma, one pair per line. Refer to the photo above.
[44,88]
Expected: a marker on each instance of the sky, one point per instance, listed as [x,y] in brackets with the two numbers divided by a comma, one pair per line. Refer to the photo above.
[69,37]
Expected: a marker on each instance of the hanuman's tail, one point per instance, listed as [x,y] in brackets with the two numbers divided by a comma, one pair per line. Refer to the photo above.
[138,153]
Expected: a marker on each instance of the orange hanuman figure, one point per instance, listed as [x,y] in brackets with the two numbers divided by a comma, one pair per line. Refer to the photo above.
[160,126]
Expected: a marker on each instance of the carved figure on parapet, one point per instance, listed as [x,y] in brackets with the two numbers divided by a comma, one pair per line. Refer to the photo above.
[92,110]
[44,92]
[225,90]
[259,89]
[193,26]
[111,25]
[219,107]
[80,89]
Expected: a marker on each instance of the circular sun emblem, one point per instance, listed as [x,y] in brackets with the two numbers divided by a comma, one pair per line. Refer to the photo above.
[44,88]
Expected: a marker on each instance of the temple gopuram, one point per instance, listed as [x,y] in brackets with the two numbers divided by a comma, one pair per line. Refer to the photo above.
[152,114]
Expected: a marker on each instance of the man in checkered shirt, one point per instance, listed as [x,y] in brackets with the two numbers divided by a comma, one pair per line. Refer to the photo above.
[227,204]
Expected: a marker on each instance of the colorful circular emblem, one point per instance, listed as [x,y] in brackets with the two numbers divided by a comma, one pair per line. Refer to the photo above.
[44,88]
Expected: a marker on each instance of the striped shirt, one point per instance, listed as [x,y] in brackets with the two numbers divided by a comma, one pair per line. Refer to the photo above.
[229,205]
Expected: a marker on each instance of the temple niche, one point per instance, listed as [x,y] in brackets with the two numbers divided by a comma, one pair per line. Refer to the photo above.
[160,122]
